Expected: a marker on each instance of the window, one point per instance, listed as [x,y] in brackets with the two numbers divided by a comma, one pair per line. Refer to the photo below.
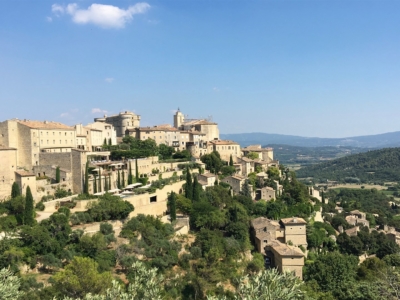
[54,141]
[153,199]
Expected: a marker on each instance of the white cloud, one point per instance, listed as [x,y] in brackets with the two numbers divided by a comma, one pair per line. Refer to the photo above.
[109,79]
[57,9]
[64,115]
[98,110]
[49,19]
[105,16]
[215,89]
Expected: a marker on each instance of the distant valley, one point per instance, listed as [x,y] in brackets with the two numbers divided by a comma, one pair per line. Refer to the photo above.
[384,140]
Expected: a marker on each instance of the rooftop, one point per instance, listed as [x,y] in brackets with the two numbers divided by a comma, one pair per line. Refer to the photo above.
[285,250]
[223,142]
[4,148]
[44,125]
[24,173]
[294,220]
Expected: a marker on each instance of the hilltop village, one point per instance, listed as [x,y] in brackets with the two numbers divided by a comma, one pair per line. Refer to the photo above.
[204,201]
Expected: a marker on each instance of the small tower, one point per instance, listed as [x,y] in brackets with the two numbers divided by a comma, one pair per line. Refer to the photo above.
[179,119]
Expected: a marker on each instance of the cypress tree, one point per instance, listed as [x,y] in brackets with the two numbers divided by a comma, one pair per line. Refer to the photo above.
[94,185]
[172,205]
[106,188]
[58,175]
[28,211]
[109,142]
[86,189]
[109,182]
[15,191]
[130,179]
[196,189]
[189,185]
[105,142]
[231,161]
[119,180]
[245,189]
[99,180]
[123,179]
[322,197]
[136,170]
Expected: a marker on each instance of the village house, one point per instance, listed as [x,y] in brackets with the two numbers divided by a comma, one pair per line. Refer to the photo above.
[206,180]
[278,241]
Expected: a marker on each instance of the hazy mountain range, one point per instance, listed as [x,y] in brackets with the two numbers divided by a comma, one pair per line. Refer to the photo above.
[384,140]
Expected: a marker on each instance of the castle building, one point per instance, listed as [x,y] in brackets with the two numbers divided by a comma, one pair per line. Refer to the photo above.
[122,122]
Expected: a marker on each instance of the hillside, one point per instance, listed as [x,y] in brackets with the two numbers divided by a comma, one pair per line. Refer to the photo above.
[372,166]
[289,155]
[384,140]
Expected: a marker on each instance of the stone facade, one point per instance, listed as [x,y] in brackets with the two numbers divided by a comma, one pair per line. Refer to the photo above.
[33,137]
[271,238]
[121,122]
[236,182]
[206,180]
[8,166]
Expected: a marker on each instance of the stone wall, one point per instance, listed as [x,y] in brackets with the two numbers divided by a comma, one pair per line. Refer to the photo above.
[8,164]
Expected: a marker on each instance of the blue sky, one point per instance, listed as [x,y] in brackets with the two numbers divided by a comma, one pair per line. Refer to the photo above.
[302,67]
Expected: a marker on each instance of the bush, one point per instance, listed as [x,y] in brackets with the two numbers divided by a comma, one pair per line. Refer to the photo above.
[40,206]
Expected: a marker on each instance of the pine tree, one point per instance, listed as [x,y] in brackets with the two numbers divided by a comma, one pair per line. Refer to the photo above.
[28,211]
[94,184]
[136,170]
[172,205]
[86,190]
[196,189]
[231,161]
[189,185]
[119,180]
[58,175]
[130,179]
[15,191]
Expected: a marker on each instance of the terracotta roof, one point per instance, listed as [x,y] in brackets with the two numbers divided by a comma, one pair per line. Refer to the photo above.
[207,175]
[246,159]
[23,173]
[45,125]
[286,250]
[158,128]
[356,212]
[262,222]
[294,220]
[352,231]
[223,142]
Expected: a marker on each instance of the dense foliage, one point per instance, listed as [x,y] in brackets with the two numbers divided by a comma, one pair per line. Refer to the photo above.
[372,166]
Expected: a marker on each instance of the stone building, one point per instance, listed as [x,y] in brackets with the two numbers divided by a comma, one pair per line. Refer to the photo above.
[33,137]
[236,182]
[8,166]
[271,239]
[295,231]
[25,179]
[225,148]
[285,258]
[266,154]
[206,180]
[122,122]
[210,129]
[92,136]
[267,193]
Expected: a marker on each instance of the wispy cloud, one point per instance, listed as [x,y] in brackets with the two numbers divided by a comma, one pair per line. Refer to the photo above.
[64,115]
[49,19]
[215,89]
[98,110]
[102,15]
[109,79]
